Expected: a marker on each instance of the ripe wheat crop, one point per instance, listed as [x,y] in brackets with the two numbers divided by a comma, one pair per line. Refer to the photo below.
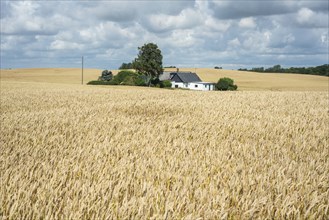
[246,81]
[70,152]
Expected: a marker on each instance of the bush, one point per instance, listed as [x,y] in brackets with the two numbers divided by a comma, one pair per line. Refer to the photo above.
[129,78]
[166,83]
[156,82]
[98,82]
[160,84]
[122,75]
[225,84]
[139,81]
[106,76]
[133,80]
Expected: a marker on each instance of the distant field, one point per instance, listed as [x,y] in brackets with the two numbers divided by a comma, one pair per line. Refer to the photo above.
[245,80]
[51,75]
[89,152]
[265,81]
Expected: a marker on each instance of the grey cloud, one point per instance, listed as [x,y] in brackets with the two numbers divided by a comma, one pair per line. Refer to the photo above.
[310,19]
[247,8]
[113,11]
[188,18]
[27,18]
[240,9]
[170,7]
[189,33]
[319,6]
[5,9]
[123,11]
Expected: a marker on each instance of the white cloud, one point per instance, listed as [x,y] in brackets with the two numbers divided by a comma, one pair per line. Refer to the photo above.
[324,38]
[188,18]
[234,42]
[65,45]
[183,38]
[217,25]
[247,23]
[304,15]
[257,42]
[22,19]
[308,18]
[201,32]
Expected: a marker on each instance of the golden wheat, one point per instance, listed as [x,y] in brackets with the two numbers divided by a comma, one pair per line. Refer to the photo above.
[246,81]
[70,151]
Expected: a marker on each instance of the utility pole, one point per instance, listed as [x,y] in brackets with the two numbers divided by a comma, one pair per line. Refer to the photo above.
[82,71]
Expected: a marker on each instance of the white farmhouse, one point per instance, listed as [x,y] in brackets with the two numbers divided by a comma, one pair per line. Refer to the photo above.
[189,80]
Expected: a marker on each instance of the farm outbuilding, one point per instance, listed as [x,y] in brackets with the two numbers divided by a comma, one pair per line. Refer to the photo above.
[189,80]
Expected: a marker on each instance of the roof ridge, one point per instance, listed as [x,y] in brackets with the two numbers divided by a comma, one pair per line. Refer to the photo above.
[187,76]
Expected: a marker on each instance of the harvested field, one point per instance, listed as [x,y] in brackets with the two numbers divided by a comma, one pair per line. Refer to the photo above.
[71,151]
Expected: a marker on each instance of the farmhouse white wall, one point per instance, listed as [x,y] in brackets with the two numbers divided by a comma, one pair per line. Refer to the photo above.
[201,86]
[194,86]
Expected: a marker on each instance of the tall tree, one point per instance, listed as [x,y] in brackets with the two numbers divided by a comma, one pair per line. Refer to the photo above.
[149,61]
[126,66]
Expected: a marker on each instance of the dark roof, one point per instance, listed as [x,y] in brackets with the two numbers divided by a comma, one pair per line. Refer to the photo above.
[185,77]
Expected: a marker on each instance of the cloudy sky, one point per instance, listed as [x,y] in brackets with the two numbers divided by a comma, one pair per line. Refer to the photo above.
[201,33]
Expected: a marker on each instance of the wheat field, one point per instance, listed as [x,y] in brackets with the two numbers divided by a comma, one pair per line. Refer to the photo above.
[50,75]
[246,81]
[88,152]
[253,81]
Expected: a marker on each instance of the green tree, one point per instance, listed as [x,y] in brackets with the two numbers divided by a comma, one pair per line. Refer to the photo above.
[106,76]
[126,66]
[149,61]
[166,83]
[258,69]
[275,69]
[126,77]
[322,70]
[225,84]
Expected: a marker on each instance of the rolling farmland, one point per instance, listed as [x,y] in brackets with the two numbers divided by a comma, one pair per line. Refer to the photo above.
[76,151]
[247,81]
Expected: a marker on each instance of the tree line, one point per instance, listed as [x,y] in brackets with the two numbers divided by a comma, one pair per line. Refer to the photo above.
[322,70]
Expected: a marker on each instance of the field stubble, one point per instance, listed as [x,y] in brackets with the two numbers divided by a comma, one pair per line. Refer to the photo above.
[71,151]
